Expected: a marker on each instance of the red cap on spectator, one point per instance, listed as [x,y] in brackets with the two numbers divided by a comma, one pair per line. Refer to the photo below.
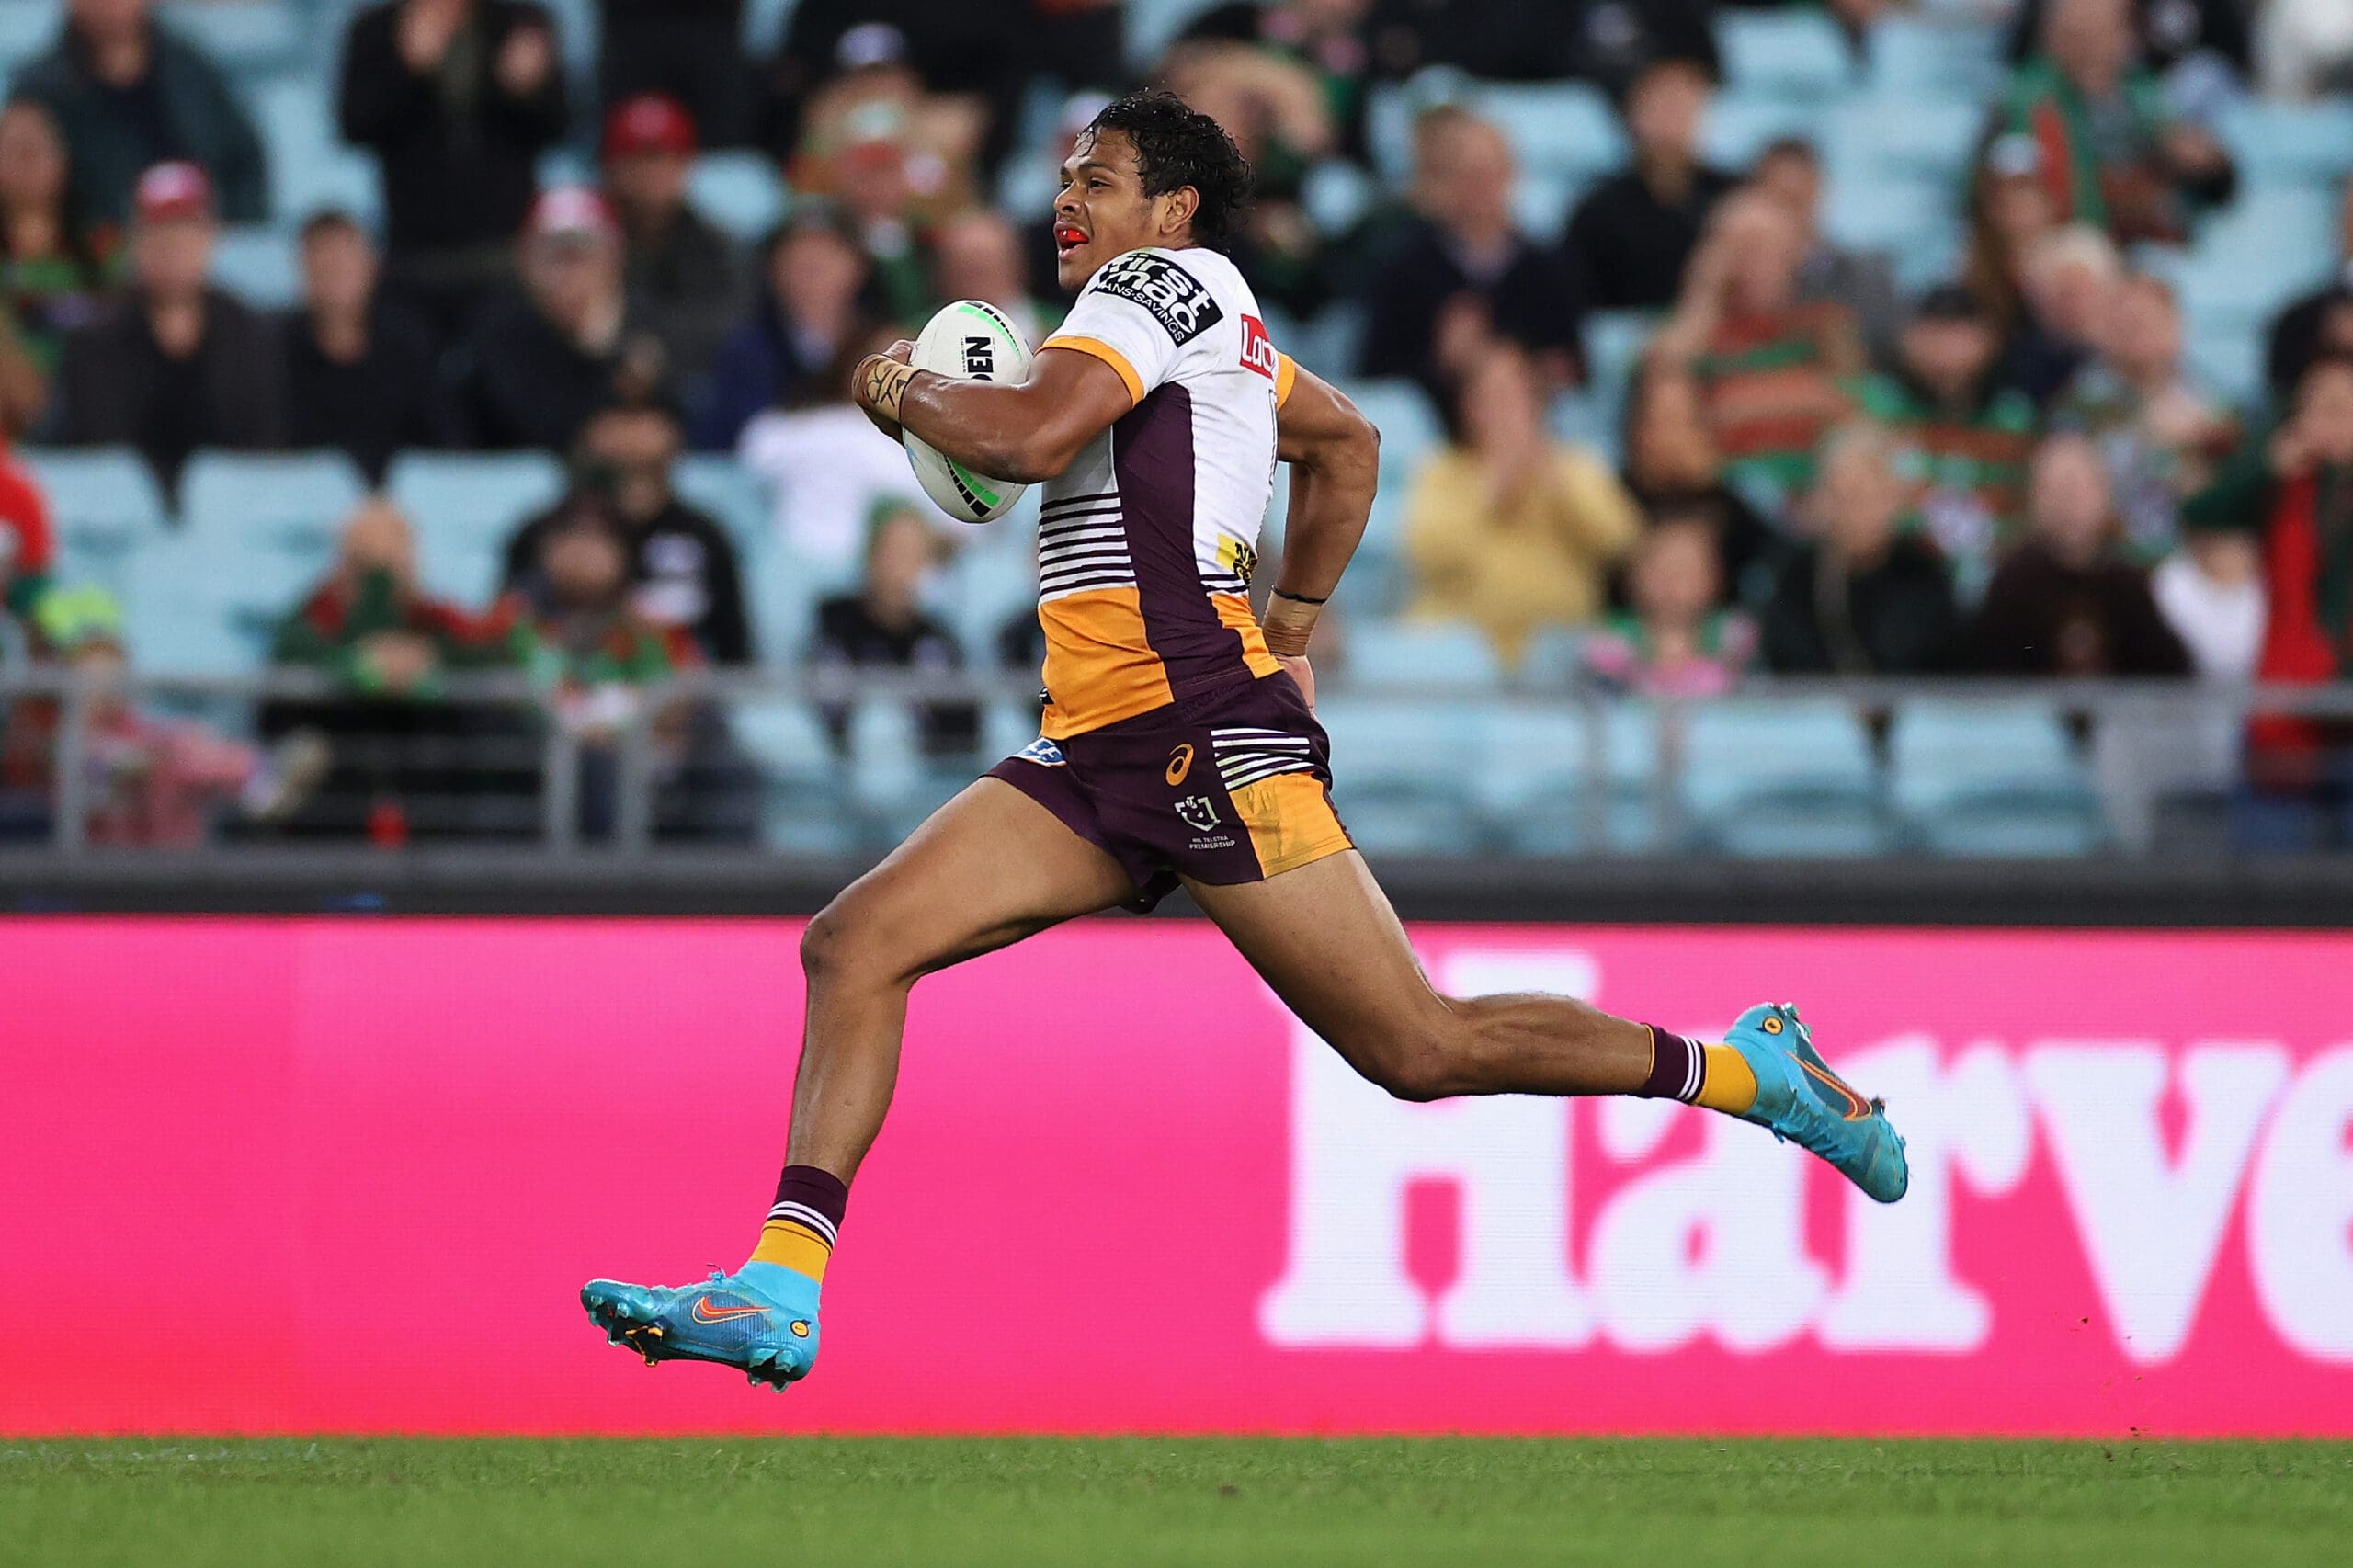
[173,190]
[650,122]
[572,211]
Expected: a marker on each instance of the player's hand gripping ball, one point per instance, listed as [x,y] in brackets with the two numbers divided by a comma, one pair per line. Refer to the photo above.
[970,340]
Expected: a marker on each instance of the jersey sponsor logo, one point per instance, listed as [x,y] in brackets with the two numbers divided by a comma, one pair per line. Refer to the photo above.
[1197,811]
[1179,302]
[1238,558]
[1042,752]
[1257,349]
[1180,763]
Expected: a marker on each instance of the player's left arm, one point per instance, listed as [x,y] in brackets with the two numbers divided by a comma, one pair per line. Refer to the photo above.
[1334,455]
[1021,433]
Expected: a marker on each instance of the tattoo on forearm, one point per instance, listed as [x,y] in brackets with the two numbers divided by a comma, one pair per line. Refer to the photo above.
[881,382]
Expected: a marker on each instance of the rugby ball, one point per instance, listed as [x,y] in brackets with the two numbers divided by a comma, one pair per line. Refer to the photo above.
[970,340]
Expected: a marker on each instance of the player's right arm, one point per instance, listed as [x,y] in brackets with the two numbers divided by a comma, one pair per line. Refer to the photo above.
[1334,455]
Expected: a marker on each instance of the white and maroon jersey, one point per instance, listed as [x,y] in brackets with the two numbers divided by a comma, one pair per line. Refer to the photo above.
[1146,542]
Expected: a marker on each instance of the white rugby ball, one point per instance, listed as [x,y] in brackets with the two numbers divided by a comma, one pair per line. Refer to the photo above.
[970,340]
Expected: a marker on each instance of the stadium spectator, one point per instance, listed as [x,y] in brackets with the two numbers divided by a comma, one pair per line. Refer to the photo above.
[686,277]
[2304,48]
[1634,236]
[2169,33]
[2009,212]
[406,762]
[2114,153]
[457,98]
[1507,528]
[163,782]
[1864,597]
[2067,601]
[683,572]
[977,255]
[1327,42]
[2318,324]
[815,296]
[970,58]
[2070,275]
[829,468]
[2211,592]
[362,375]
[1672,468]
[179,364]
[1461,273]
[27,539]
[1789,170]
[542,359]
[1968,438]
[884,626]
[574,626]
[2160,434]
[129,93]
[892,157]
[57,269]
[1604,42]
[1771,370]
[691,50]
[1675,640]
[1279,116]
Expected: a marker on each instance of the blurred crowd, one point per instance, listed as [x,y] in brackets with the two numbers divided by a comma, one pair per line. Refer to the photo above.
[1813,470]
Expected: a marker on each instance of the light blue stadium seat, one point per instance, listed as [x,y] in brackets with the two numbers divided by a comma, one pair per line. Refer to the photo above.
[785,589]
[282,500]
[1152,25]
[892,784]
[27,28]
[1921,135]
[1781,777]
[2290,143]
[1560,128]
[1336,195]
[259,265]
[1551,661]
[742,192]
[579,32]
[732,493]
[464,508]
[251,39]
[1403,771]
[1542,199]
[202,605]
[765,24]
[1584,417]
[1739,124]
[105,506]
[1890,213]
[2289,230]
[1331,344]
[1911,57]
[1991,779]
[1636,806]
[1006,727]
[1423,655]
[1613,346]
[1389,111]
[1408,424]
[1535,777]
[980,591]
[311,169]
[2229,361]
[1790,55]
[803,811]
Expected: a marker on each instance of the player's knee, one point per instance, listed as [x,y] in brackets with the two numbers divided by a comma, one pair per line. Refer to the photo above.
[829,943]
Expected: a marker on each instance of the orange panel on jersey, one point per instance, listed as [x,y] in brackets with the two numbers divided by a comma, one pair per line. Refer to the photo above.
[1233,610]
[1099,666]
[1292,822]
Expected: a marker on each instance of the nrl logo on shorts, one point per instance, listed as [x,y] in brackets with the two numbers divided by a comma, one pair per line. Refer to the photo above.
[1198,812]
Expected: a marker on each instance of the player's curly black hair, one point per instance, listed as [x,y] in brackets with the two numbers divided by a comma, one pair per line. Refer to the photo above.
[1176,145]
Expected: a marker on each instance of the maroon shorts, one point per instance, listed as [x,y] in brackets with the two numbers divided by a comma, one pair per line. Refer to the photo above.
[1230,785]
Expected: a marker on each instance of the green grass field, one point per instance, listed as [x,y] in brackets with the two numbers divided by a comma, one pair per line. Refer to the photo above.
[1033,1501]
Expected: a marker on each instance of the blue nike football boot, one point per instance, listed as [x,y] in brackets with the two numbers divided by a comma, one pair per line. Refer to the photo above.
[767,1331]
[1803,1102]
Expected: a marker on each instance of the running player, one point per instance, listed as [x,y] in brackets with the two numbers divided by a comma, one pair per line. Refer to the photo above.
[1180,744]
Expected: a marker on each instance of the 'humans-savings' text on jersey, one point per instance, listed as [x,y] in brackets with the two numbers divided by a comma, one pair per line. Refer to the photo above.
[1146,542]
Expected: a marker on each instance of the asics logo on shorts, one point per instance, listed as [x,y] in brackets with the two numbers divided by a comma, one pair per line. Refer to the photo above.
[1247,756]
[1180,764]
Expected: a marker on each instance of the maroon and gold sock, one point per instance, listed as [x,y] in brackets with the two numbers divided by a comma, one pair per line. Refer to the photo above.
[803,1224]
[1691,1070]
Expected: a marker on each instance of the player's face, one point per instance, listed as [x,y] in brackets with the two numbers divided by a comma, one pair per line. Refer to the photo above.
[1102,210]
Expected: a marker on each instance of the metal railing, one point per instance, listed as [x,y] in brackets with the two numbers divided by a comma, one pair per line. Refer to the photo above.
[2130,734]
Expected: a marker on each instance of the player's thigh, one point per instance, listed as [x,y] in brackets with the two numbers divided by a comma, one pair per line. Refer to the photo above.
[1325,938]
[989,867]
